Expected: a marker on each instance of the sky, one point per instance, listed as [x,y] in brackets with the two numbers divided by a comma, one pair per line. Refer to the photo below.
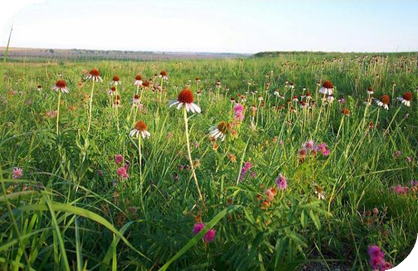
[218,26]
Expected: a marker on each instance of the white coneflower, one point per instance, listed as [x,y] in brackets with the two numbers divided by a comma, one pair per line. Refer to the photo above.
[383,102]
[295,99]
[60,85]
[186,99]
[277,94]
[140,128]
[327,88]
[370,91]
[221,130]
[94,75]
[260,98]
[116,104]
[406,99]
[330,98]
[39,87]
[138,80]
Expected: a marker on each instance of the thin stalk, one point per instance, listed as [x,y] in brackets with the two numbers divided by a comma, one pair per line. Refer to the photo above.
[90,106]
[58,108]
[189,153]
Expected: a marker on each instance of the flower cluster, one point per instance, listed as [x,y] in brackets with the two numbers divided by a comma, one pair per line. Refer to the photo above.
[238,113]
[377,259]
[209,235]
[405,190]
[309,148]
[247,166]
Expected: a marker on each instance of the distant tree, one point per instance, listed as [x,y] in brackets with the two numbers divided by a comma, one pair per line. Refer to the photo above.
[51,51]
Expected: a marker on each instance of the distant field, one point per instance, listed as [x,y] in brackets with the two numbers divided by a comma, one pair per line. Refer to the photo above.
[81,54]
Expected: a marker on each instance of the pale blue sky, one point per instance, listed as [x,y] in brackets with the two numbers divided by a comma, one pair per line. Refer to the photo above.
[219,26]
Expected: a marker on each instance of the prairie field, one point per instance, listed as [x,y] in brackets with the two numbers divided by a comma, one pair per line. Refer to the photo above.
[278,161]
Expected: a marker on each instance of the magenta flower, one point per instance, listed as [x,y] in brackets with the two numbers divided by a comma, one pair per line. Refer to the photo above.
[209,235]
[281,182]
[122,173]
[247,166]
[118,159]
[377,259]
[239,112]
[198,227]
[17,173]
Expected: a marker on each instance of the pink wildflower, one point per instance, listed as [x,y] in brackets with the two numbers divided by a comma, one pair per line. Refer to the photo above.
[17,173]
[281,182]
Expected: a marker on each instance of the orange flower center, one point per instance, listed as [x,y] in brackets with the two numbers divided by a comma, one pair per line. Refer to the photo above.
[224,127]
[163,73]
[407,96]
[94,72]
[327,84]
[385,99]
[140,126]
[185,96]
[116,78]
[61,84]
[138,77]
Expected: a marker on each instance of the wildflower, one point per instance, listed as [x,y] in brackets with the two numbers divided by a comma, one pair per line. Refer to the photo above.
[330,98]
[281,182]
[323,148]
[341,101]
[377,259]
[123,173]
[100,173]
[94,75]
[319,191]
[39,88]
[116,80]
[383,102]
[163,75]
[327,88]
[370,91]
[209,235]
[406,99]
[247,166]
[17,173]
[140,127]
[118,159]
[396,154]
[146,83]
[309,145]
[186,99]
[221,130]
[60,85]
[409,159]
[346,112]
[138,80]
[269,193]
[135,100]
[239,112]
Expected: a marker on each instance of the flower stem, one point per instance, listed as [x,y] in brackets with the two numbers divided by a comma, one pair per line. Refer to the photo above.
[90,107]
[189,153]
[58,109]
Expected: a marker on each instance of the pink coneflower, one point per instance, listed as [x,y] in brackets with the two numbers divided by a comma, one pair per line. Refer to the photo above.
[138,80]
[116,80]
[118,159]
[136,100]
[323,148]
[327,88]
[60,85]
[163,75]
[94,75]
[281,182]
[383,102]
[17,173]
[122,173]
[39,88]
[186,99]
[406,99]
[209,235]
[221,130]
[140,128]
[112,91]
[238,112]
